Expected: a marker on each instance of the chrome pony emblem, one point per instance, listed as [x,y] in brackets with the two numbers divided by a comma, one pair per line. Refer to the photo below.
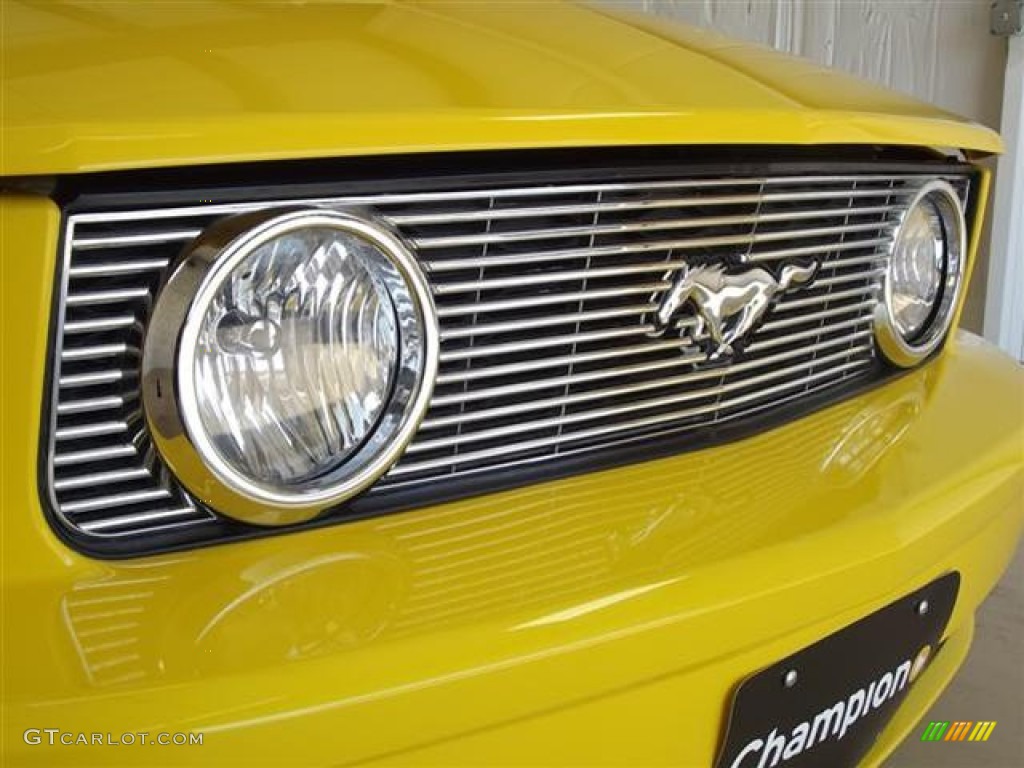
[728,306]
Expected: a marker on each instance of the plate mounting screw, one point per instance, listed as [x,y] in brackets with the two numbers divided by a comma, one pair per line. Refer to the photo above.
[790,678]
[922,608]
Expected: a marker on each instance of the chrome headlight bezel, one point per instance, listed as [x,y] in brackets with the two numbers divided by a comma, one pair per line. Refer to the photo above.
[896,348]
[170,400]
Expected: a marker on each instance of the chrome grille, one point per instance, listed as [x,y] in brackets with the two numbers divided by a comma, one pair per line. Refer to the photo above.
[545,295]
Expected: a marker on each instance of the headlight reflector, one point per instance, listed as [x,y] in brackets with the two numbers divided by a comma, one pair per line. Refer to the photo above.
[289,361]
[924,276]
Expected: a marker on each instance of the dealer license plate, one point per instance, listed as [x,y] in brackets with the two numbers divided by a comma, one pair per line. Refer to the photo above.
[826,705]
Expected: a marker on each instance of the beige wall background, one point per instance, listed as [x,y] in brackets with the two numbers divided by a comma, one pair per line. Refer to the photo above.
[940,51]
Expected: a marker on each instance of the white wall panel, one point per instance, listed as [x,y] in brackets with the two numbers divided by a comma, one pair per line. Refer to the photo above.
[892,43]
[940,51]
[1004,313]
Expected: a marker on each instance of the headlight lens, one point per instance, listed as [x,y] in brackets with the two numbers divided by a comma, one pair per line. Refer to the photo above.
[290,358]
[924,276]
[916,269]
[294,354]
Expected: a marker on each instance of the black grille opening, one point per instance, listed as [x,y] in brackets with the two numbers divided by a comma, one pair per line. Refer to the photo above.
[551,358]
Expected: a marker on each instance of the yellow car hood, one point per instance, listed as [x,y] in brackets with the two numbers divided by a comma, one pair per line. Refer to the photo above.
[89,86]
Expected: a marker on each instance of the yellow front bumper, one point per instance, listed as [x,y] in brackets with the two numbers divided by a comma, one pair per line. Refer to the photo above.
[603,618]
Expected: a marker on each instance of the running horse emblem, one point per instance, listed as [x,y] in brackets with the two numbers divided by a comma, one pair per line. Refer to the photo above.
[730,305]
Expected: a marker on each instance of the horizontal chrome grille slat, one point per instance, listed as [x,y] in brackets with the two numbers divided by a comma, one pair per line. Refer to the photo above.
[560,381]
[74,458]
[116,268]
[603,413]
[105,403]
[788,322]
[91,430]
[814,250]
[92,243]
[789,304]
[502,214]
[597,230]
[569,276]
[96,479]
[452,265]
[91,379]
[858,261]
[564,360]
[847,325]
[139,520]
[95,351]
[562,277]
[476,308]
[554,341]
[107,297]
[541,322]
[115,500]
[100,324]
[870,274]
[571,254]
[546,293]
[630,425]
[520,408]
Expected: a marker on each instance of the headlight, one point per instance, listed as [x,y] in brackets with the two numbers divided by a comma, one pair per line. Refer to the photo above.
[289,361]
[924,276]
